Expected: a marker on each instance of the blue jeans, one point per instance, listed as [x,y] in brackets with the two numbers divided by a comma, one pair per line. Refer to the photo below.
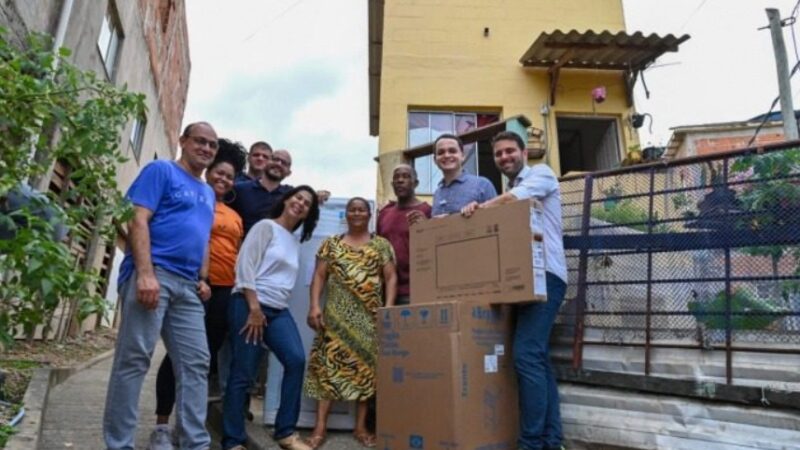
[179,318]
[540,418]
[283,339]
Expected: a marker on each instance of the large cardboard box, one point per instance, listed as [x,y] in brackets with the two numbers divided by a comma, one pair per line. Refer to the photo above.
[446,378]
[497,255]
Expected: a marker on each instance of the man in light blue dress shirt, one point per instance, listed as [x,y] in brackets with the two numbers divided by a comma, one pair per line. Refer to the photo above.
[457,187]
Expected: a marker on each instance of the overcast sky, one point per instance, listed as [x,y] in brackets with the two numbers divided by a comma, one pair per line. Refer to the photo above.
[294,73]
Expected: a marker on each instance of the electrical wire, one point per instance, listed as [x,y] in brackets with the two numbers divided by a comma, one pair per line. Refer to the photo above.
[272,20]
[793,17]
[691,16]
[774,102]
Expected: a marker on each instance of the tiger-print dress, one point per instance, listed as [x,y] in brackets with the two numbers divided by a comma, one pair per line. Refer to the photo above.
[342,361]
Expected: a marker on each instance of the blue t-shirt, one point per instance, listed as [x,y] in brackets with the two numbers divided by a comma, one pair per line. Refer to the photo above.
[466,188]
[183,211]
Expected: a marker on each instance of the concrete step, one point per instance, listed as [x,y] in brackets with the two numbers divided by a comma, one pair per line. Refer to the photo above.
[645,421]
[777,372]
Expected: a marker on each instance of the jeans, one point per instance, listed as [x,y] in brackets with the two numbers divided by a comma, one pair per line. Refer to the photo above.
[283,339]
[178,317]
[540,418]
[216,309]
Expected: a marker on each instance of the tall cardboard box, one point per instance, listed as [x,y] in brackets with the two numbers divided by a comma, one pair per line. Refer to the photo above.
[446,378]
[496,256]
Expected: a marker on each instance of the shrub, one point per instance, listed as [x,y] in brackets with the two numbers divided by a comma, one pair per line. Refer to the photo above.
[50,108]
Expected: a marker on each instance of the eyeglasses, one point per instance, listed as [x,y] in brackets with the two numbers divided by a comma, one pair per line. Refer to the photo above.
[203,142]
[281,161]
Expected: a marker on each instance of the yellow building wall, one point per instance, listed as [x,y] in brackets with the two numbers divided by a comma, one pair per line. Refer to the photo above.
[435,56]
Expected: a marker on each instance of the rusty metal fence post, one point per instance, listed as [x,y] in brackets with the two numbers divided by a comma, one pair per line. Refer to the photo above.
[580,298]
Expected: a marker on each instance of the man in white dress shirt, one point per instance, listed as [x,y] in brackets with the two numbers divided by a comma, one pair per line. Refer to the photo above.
[540,418]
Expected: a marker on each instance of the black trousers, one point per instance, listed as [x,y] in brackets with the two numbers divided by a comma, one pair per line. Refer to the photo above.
[216,331]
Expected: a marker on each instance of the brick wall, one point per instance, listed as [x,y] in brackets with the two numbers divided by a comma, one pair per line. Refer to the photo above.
[711,145]
[167,39]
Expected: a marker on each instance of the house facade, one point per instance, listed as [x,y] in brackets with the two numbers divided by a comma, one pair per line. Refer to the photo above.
[710,138]
[454,66]
[140,44]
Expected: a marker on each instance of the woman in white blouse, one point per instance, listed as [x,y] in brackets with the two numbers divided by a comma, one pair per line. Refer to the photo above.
[258,314]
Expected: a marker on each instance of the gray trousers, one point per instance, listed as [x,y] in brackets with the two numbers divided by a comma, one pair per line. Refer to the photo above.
[178,318]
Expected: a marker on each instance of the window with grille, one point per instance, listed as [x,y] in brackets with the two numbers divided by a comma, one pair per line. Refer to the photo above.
[426,126]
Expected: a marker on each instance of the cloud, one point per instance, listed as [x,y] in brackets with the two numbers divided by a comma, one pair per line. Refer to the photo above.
[265,104]
[725,72]
[283,71]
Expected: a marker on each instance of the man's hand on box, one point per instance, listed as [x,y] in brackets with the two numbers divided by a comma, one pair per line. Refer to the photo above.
[470,208]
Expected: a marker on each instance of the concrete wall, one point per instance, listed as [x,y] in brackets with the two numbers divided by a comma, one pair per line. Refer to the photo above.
[435,56]
[153,59]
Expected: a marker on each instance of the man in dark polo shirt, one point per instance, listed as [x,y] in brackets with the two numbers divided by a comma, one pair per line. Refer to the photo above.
[257,160]
[255,198]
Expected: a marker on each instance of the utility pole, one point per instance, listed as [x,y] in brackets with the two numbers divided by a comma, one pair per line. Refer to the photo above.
[782,65]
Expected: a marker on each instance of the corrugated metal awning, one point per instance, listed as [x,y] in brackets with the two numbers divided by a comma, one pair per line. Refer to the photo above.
[605,50]
[630,53]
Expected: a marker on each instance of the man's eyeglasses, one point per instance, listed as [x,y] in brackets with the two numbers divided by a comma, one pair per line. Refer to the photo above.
[281,161]
[201,141]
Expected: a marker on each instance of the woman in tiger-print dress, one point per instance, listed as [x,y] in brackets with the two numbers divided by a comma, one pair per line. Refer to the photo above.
[357,269]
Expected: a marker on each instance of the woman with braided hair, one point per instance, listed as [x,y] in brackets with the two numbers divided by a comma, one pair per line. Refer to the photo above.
[214,287]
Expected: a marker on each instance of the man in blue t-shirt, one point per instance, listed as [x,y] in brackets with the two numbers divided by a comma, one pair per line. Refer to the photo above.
[161,282]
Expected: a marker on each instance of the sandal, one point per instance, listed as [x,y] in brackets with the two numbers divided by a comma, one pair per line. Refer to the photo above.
[316,440]
[365,439]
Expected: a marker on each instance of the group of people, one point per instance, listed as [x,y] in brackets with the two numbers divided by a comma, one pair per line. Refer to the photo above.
[211,264]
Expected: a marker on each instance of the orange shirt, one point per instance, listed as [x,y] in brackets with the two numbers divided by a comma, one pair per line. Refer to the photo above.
[226,237]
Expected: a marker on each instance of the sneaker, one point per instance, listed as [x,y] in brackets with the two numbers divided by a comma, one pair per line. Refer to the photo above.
[161,438]
[293,442]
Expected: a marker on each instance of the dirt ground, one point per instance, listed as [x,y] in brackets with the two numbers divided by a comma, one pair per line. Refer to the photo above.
[19,362]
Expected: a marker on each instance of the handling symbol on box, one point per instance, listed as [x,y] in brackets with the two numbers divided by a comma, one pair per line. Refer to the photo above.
[405,314]
[415,441]
[397,374]
[444,316]
[423,314]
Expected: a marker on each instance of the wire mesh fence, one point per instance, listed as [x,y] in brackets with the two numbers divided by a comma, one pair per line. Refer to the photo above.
[699,253]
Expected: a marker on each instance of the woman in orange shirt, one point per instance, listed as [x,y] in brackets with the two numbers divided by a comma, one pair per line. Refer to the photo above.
[227,233]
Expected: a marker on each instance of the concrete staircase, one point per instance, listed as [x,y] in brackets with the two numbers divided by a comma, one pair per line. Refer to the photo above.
[609,417]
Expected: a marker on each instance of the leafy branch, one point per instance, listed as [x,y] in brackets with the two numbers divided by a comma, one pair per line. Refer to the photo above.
[70,119]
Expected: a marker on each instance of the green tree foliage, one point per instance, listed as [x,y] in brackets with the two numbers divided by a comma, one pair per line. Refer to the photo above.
[774,203]
[626,213]
[744,309]
[74,117]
